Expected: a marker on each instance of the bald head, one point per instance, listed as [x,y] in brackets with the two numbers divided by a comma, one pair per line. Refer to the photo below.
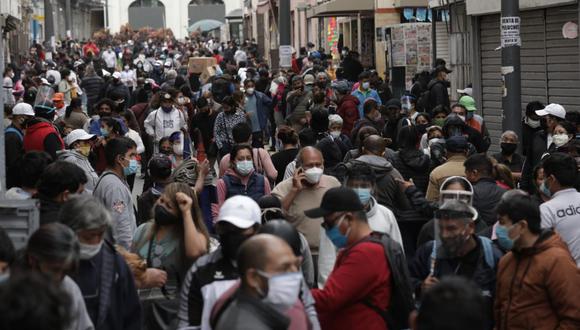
[260,251]
[309,157]
[374,145]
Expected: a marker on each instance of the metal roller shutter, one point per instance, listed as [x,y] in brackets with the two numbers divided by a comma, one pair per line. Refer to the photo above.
[442,40]
[549,64]
[562,59]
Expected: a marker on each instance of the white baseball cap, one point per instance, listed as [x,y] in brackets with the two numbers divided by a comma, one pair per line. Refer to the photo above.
[552,109]
[23,109]
[241,211]
[77,135]
[117,75]
[466,91]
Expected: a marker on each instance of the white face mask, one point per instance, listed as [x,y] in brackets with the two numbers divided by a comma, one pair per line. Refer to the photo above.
[250,91]
[88,251]
[181,100]
[244,167]
[462,117]
[283,289]
[335,134]
[313,174]
[532,123]
[177,149]
[366,85]
[560,139]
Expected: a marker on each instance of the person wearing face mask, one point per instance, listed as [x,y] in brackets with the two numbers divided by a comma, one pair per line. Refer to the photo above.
[341,304]
[241,178]
[128,77]
[530,124]
[215,273]
[256,108]
[225,121]
[562,211]
[113,191]
[304,190]
[541,142]
[68,86]
[409,160]
[457,251]
[105,280]
[564,132]
[365,92]
[268,294]
[322,81]
[7,85]
[472,119]
[79,145]
[347,105]
[539,258]
[437,88]
[335,130]
[432,142]
[53,251]
[159,170]
[22,113]
[297,102]
[164,121]
[509,155]
[408,108]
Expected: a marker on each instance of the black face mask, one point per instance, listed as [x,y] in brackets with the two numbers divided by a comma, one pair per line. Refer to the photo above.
[421,128]
[508,148]
[163,217]
[230,243]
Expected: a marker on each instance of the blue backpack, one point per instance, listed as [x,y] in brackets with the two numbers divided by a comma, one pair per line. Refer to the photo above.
[14,130]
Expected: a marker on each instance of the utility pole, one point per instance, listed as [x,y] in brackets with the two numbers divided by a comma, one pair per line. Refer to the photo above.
[48,22]
[2,145]
[285,35]
[510,66]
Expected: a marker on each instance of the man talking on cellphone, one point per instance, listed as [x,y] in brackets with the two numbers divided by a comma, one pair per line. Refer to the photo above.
[304,191]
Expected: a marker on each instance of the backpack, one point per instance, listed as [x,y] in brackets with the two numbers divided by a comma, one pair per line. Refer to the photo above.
[402,302]
[424,101]
[14,130]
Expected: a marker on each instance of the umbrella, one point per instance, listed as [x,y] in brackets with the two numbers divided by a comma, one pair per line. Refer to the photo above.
[205,25]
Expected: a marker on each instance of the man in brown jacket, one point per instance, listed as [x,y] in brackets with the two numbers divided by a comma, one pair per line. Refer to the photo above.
[538,281]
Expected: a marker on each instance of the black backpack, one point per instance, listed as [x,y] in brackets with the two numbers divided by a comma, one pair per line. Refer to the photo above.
[424,101]
[402,302]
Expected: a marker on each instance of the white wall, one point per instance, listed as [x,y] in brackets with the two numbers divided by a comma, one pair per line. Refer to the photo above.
[176,14]
[10,7]
[479,7]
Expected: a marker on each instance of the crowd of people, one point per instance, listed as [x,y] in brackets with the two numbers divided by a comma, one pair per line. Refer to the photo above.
[306,198]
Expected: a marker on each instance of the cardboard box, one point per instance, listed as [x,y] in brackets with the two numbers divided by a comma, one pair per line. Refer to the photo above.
[207,74]
[199,64]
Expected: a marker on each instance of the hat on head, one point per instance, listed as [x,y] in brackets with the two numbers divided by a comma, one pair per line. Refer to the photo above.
[341,86]
[58,97]
[456,144]
[339,199]
[240,211]
[23,109]
[117,75]
[468,102]
[552,109]
[166,96]
[442,68]
[466,91]
[77,135]
[308,79]
[454,209]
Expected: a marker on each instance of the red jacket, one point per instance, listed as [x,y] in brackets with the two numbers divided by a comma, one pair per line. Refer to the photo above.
[348,110]
[361,272]
[36,134]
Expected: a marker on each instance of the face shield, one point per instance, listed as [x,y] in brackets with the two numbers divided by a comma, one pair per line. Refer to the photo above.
[453,228]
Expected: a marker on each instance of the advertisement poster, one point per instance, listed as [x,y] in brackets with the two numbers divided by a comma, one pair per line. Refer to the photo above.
[411,52]
[398,53]
[398,33]
[424,34]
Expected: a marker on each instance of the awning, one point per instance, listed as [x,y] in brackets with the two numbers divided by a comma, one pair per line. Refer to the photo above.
[410,3]
[336,8]
[236,13]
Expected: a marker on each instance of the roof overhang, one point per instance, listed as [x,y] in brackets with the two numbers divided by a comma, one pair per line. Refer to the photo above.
[337,8]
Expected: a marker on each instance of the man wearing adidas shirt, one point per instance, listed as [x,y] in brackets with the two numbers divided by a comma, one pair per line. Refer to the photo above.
[562,211]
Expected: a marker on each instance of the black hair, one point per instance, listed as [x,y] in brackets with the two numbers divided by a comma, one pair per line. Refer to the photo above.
[481,163]
[363,133]
[319,121]
[106,101]
[461,180]
[114,125]
[59,177]
[163,140]
[361,171]
[563,167]
[452,304]
[159,167]
[31,165]
[369,105]
[460,106]
[534,106]
[364,75]
[237,147]
[408,137]
[7,253]
[201,103]
[30,301]
[74,103]
[307,137]
[117,147]
[441,109]
[569,127]
[248,81]
[229,101]
[521,207]
[65,73]
[142,96]
[241,133]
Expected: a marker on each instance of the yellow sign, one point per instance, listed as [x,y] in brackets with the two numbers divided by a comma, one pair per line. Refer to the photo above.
[38,17]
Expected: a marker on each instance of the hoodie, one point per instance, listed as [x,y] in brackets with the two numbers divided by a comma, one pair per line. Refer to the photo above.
[413,164]
[72,156]
[348,110]
[537,287]
[387,189]
[438,94]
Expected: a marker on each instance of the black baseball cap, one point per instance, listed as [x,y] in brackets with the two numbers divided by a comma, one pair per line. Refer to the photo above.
[339,199]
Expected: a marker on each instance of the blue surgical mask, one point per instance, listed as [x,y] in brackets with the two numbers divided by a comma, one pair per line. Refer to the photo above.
[364,195]
[366,85]
[131,169]
[339,240]
[544,189]
[104,132]
[244,167]
[503,238]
